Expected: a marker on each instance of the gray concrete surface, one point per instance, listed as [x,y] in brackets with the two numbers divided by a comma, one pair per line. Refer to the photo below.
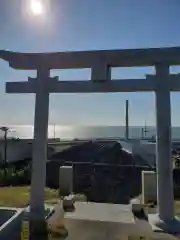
[104,221]
[81,234]
[105,212]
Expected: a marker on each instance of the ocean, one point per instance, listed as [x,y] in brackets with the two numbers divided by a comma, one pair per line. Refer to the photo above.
[84,132]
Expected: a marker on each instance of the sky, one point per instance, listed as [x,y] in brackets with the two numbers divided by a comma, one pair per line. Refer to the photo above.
[70,25]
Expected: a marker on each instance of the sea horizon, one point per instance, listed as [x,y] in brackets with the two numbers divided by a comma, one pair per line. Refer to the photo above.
[70,132]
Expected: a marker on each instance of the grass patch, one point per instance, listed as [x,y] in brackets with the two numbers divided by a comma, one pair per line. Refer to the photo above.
[177,207]
[19,196]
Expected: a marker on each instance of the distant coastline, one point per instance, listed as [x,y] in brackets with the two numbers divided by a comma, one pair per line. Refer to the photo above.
[72,132]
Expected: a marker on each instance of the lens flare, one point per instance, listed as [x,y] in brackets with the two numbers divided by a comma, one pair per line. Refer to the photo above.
[37,7]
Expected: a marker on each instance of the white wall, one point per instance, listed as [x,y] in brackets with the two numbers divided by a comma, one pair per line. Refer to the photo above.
[16,150]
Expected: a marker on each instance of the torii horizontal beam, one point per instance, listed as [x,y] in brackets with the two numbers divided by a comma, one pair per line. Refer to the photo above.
[126,85]
[87,59]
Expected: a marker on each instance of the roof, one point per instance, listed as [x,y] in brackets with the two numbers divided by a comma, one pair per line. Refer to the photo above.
[126,146]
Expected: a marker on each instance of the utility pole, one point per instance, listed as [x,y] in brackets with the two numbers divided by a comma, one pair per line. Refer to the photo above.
[145,129]
[127,120]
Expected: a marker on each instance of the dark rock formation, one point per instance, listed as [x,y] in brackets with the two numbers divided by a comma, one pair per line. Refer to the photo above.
[102,171]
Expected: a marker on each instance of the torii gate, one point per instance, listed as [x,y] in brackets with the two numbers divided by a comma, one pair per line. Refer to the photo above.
[100,63]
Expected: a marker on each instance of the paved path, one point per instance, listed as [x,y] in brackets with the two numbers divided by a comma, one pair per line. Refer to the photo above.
[101,222]
[164,236]
[156,236]
[82,235]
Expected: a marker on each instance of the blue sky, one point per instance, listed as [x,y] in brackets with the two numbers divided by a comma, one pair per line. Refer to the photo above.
[87,25]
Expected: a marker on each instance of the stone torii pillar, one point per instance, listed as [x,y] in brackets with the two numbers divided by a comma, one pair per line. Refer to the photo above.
[39,155]
[163,149]
[163,84]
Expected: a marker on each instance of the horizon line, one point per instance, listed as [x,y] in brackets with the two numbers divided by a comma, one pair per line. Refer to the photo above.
[63,125]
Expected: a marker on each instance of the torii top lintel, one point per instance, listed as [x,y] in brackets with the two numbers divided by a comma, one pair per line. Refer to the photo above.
[87,59]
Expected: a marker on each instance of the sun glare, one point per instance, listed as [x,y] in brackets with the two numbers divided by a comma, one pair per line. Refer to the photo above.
[37,7]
